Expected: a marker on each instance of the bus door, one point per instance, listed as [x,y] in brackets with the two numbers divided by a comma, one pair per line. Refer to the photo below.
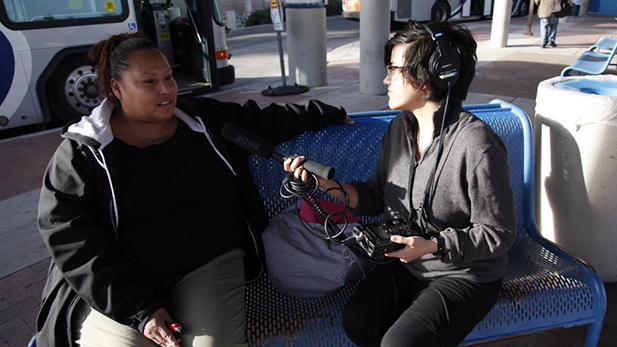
[192,35]
[183,43]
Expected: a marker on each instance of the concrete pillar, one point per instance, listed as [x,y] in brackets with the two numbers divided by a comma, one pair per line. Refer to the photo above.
[306,45]
[500,25]
[248,6]
[231,20]
[584,7]
[374,33]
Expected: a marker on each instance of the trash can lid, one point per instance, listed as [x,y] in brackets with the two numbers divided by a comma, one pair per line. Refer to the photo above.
[578,101]
[589,86]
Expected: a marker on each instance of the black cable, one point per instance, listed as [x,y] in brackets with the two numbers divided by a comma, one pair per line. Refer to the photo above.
[298,189]
[429,191]
[307,190]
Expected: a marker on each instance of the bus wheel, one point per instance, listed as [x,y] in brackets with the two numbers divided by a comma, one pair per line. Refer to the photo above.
[440,12]
[227,75]
[71,90]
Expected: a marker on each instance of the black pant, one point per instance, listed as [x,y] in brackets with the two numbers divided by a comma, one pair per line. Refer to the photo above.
[391,307]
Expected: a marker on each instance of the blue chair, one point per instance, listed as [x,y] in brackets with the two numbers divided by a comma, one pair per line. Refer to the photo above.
[595,60]
[545,287]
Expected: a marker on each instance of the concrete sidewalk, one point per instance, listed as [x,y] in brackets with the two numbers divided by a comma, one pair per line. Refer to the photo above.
[511,74]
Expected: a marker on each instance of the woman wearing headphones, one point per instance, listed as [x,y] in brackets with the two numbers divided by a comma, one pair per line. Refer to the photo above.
[446,173]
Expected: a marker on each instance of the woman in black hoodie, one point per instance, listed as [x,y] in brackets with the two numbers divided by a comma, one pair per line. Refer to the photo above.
[147,211]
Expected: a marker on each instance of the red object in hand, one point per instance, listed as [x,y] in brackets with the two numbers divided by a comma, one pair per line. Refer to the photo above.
[175,327]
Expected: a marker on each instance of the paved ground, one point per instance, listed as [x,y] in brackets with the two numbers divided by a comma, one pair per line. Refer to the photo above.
[511,74]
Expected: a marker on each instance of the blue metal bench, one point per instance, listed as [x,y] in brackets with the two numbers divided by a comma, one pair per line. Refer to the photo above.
[595,60]
[545,287]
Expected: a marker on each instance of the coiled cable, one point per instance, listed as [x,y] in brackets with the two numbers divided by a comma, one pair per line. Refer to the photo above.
[307,190]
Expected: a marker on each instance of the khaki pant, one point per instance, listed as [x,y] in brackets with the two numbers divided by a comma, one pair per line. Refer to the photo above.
[208,303]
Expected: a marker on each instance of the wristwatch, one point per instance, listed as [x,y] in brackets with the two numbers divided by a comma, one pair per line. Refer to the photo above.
[441,245]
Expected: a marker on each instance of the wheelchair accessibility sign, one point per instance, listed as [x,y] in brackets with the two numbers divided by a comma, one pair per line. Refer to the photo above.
[132,27]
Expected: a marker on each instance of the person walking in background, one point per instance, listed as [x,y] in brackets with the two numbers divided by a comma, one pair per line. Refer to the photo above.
[548,23]
[576,7]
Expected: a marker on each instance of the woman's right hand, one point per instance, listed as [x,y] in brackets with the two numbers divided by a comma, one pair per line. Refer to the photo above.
[349,195]
[293,165]
[156,329]
[301,174]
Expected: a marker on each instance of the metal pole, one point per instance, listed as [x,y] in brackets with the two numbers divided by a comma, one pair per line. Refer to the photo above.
[277,20]
[281,57]
[530,18]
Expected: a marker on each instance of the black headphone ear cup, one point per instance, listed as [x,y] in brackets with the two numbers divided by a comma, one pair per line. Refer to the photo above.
[432,69]
[444,68]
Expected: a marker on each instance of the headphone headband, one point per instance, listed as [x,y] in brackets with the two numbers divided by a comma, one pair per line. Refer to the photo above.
[433,27]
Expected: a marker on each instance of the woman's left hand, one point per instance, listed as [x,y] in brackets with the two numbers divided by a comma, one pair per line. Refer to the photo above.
[415,247]
[156,329]
[348,120]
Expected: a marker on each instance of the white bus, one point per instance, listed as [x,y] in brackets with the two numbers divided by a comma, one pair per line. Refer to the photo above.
[44,77]
[436,10]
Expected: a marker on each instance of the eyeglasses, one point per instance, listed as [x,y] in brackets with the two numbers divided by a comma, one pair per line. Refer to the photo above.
[391,69]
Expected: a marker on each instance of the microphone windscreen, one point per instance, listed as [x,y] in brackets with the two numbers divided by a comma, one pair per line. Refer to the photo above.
[248,140]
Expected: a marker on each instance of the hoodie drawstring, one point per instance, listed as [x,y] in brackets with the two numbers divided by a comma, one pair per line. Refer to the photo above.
[100,158]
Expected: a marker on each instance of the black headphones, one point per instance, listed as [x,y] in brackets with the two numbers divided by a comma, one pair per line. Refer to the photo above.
[444,64]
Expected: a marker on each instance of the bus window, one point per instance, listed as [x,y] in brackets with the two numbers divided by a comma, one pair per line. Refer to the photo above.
[24,14]
[436,10]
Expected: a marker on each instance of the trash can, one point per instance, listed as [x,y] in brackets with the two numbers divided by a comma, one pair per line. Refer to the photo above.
[575,157]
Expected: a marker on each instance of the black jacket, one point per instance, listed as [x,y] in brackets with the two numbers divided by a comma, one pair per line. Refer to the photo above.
[78,215]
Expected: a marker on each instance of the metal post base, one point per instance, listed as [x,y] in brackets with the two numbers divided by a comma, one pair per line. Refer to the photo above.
[285,90]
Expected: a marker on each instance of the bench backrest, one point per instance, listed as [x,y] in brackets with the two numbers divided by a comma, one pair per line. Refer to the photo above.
[605,43]
[352,150]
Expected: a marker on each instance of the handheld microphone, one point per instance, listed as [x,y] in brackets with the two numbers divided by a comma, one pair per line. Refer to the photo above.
[264,149]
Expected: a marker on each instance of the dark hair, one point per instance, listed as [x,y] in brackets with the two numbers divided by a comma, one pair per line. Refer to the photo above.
[418,53]
[110,58]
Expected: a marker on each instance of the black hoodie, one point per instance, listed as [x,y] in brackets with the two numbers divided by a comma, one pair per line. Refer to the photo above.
[78,212]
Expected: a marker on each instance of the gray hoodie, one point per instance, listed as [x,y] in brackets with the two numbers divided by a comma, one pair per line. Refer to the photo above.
[471,205]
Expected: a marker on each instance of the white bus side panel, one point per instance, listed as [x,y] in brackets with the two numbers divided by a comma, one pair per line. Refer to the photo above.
[34,50]
[18,105]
